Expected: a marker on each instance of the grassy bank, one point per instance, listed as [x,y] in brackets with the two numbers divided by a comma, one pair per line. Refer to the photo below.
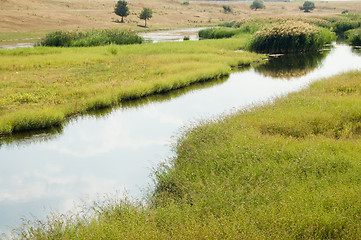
[286,170]
[42,87]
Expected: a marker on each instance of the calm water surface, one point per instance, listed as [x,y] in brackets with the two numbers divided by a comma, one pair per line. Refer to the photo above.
[108,152]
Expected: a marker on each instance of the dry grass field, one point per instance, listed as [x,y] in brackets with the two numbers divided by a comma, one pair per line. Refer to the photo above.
[39,16]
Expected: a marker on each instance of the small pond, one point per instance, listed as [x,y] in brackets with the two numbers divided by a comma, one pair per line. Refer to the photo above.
[113,150]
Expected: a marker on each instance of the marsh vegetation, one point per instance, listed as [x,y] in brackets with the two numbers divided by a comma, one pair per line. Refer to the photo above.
[285,170]
[90,38]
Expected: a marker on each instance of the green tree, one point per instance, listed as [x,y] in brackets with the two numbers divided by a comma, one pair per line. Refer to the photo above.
[145,15]
[227,9]
[121,9]
[307,6]
[257,4]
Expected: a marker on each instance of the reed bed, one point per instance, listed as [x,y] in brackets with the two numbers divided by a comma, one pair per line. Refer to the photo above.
[290,37]
[44,86]
[97,37]
[285,170]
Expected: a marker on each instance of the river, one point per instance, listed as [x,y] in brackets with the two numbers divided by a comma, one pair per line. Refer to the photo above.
[107,152]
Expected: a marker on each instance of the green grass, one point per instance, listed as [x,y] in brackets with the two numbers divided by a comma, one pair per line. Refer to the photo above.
[285,170]
[228,32]
[353,36]
[345,23]
[217,33]
[99,37]
[44,86]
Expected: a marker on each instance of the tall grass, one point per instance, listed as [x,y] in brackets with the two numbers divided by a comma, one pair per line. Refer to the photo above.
[44,86]
[354,37]
[89,38]
[228,32]
[290,37]
[217,33]
[286,170]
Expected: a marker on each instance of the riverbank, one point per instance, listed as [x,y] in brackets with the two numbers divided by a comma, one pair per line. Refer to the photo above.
[285,170]
[43,87]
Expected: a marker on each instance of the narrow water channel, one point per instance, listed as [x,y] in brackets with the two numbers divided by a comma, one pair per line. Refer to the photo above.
[107,152]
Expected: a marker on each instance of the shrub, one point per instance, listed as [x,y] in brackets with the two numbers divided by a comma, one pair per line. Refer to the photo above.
[307,6]
[257,4]
[249,28]
[227,9]
[354,37]
[227,24]
[185,3]
[344,24]
[186,38]
[290,37]
[217,33]
[89,38]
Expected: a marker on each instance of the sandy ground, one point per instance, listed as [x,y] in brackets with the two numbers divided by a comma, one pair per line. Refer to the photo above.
[46,15]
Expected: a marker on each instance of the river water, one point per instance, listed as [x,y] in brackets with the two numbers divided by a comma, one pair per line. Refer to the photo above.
[110,151]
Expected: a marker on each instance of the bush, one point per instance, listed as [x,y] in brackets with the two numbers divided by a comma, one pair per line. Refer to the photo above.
[354,37]
[227,9]
[307,6]
[216,33]
[290,37]
[249,28]
[185,3]
[344,24]
[257,4]
[89,38]
[227,24]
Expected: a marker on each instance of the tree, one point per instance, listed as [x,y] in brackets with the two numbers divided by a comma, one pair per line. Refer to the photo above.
[227,9]
[121,9]
[257,4]
[307,6]
[146,14]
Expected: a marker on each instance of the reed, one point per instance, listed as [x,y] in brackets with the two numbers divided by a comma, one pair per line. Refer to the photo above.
[89,38]
[290,37]
[217,33]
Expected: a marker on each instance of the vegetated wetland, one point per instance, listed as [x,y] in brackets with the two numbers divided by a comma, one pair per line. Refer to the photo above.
[64,167]
[275,171]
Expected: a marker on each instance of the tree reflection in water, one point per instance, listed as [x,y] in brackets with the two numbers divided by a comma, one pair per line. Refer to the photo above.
[291,65]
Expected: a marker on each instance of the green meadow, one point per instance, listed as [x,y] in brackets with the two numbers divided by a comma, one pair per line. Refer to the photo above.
[285,170]
[44,86]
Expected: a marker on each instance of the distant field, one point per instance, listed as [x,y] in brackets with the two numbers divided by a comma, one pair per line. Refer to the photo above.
[40,16]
